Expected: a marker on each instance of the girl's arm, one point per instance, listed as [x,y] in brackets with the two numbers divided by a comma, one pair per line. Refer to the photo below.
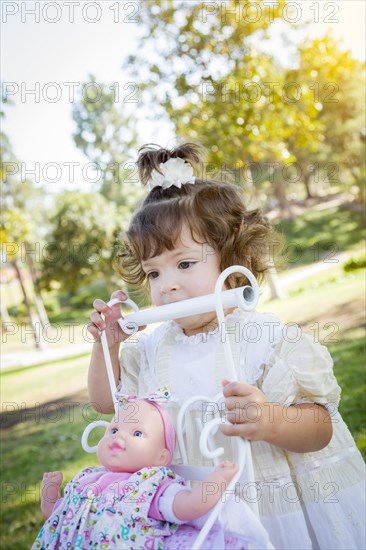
[189,505]
[298,428]
[98,385]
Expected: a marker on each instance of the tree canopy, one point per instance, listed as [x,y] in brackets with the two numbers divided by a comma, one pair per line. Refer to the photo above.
[106,134]
[201,65]
[80,245]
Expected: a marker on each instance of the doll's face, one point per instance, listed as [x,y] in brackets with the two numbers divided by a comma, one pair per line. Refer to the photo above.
[134,439]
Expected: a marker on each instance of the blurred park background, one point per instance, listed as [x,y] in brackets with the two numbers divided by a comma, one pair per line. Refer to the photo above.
[281,113]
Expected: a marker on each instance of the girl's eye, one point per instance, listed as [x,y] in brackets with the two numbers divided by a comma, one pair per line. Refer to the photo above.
[186,264]
[137,433]
[114,430]
[152,275]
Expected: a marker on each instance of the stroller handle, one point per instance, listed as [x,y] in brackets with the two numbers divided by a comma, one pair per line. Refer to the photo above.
[245,297]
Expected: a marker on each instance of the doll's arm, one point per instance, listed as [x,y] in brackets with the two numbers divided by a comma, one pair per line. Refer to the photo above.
[51,484]
[189,505]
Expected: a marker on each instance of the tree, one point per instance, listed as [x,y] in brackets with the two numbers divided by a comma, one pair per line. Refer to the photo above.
[107,135]
[80,245]
[224,92]
[337,84]
[21,208]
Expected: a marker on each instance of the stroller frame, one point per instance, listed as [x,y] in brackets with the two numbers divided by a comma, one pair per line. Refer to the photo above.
[247,298]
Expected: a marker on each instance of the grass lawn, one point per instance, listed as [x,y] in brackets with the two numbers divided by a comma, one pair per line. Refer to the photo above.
[48,438]
[45,409]
[44,383]
[35,445]
[320,234]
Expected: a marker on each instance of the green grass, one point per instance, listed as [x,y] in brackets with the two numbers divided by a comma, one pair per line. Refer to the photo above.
[46,436]
[319,234]
[29,449]
[44,383]
[349,367]
[325,305]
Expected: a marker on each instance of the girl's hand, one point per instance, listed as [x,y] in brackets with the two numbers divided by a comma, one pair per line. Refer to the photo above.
[115,334]
[247,410]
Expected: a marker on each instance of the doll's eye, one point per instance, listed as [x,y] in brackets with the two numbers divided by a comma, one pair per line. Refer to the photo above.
[114,430]
[137,433]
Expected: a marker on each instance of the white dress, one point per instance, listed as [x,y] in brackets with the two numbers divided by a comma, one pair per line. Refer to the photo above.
[306,500]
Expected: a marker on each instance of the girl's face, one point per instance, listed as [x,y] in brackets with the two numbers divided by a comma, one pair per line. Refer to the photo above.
[134,439]
[188,271]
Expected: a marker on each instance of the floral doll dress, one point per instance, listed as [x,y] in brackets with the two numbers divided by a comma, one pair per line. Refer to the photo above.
[115,517]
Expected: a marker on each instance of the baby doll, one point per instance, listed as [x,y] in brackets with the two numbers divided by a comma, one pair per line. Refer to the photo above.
[133,500]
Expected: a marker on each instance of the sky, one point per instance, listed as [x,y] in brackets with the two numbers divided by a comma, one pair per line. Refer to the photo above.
[51,47]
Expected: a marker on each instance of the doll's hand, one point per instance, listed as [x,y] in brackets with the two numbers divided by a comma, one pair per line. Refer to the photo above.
[247,410]
[226,470]
[114,333]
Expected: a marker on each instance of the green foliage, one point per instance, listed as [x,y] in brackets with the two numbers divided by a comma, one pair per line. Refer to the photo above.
[15,228]
[21,202]
[85,297]
[355,263]
[336,84]
[252,114]
[210,89]
[80,245]
[106,134]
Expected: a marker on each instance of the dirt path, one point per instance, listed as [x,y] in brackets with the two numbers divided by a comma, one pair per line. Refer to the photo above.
[316,203]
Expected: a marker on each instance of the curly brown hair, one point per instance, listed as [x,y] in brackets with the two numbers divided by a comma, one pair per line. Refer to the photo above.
[214,212]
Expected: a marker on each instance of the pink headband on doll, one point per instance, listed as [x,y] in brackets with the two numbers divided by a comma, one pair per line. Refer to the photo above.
[162,395]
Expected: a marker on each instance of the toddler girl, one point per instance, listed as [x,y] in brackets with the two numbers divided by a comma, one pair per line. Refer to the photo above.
[309,473]
[134,500]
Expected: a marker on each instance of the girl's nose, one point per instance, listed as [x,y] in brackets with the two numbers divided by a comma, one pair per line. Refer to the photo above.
[168,284]
[165,289]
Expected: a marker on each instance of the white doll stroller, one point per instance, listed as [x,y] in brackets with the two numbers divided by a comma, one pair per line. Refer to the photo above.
[232,523]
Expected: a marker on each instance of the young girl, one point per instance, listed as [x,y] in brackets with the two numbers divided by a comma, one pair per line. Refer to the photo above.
[309,473]
[134,500]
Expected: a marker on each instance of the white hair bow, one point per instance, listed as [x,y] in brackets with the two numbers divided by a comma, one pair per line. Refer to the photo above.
[175,171]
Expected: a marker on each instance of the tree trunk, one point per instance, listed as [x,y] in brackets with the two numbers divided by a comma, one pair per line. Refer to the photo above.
[4,314]
[306,181]
[37,296]
[274,285]
[280,191]
[35,322]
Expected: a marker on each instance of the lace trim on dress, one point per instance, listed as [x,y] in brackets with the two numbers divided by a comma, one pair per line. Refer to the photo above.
[252,373]
[251,367]
[146,372]
[328,461]
[332,408]
[201,337]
